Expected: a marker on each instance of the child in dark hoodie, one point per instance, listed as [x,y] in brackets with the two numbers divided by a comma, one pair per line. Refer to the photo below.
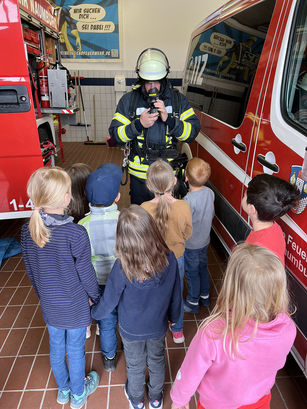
[144,284]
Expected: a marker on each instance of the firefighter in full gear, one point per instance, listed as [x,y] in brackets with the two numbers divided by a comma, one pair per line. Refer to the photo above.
[150,120]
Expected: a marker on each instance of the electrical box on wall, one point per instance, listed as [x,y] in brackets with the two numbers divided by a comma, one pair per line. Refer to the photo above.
[119,83]
[57,81]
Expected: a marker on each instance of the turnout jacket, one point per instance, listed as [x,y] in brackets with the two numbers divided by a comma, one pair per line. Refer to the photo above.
[162,136]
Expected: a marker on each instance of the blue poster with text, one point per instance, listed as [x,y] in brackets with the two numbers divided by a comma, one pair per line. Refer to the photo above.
[89,29]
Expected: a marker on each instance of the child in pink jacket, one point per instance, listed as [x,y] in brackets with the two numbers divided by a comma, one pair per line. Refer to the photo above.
[234,357]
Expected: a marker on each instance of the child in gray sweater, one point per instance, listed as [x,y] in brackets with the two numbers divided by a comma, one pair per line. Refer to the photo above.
[201,201]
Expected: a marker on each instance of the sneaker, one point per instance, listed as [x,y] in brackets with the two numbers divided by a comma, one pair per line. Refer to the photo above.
[88,332]
[90,385]
[63,396]
[156,404]
[178,337]
[205,300]
[109,363]
[133,405]
[97,330]
[190,307]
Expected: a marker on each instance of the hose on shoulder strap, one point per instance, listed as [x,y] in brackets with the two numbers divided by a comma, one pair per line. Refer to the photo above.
[125,164]
[125,173]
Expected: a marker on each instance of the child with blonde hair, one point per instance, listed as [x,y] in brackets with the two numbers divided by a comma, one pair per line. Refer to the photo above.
[201,201]
[57,255]
[144,285]
[233,359]
[174,221]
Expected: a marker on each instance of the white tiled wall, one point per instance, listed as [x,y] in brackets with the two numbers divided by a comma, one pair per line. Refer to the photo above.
[105,105]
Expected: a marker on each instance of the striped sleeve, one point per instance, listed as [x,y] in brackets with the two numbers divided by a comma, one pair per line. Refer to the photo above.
[187,126]
[23,241]
[122,129]
[81,251]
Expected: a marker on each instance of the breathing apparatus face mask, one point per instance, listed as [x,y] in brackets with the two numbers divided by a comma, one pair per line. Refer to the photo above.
[152,97]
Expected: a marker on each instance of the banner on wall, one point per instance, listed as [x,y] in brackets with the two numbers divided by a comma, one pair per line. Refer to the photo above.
[89,29]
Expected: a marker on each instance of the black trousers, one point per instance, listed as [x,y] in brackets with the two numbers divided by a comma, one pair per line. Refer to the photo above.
[138,191]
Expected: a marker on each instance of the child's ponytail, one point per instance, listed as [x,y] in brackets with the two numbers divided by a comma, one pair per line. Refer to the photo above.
[160,180]
[38,231]
[162,213]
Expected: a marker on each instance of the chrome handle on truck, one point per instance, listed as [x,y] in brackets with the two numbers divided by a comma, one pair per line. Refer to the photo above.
[239,145]
[272,166]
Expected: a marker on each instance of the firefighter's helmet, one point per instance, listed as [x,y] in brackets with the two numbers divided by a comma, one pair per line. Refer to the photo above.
[152,65]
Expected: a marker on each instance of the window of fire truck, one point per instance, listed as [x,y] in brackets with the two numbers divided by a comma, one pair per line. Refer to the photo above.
[223,61]
[294,101]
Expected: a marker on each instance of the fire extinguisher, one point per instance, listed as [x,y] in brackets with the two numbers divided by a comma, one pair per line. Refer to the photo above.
[42,66]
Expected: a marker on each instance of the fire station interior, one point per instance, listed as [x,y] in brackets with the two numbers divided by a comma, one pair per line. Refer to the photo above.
[92,90]
[26,379]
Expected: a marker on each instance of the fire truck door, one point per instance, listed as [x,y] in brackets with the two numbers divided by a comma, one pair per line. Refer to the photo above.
[20,149]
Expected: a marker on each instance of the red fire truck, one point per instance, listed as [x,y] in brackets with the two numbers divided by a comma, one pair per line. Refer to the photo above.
[246,77]
[28,49]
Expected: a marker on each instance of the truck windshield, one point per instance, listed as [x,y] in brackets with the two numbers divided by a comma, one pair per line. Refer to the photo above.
[295,81]
[223,60]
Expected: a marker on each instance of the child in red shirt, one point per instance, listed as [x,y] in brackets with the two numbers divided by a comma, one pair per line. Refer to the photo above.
[265,200]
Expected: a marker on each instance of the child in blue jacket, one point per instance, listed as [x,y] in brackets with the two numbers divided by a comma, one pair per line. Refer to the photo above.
[144,285]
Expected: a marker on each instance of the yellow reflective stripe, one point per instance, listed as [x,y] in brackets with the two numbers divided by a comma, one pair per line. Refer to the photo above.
[186,114]
[138,166]
[137,174]
[121,118]
[122,133]
[142,166]
[141,174]
[137,169]
[187,127]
